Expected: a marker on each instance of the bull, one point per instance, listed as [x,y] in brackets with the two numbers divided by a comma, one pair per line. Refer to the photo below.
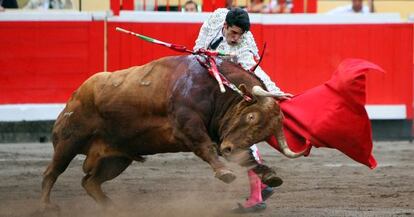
[168,105]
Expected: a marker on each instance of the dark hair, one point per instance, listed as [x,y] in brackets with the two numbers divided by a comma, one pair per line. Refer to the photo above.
[238,17]
[190,2]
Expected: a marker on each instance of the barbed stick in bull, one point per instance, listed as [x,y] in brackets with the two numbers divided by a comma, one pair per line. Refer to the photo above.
[221,80]
[176,47]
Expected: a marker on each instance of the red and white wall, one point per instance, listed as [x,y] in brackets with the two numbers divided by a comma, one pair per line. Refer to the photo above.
[44,57]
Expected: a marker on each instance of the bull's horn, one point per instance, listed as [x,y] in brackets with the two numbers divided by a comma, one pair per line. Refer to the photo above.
[259,91]
[285,148]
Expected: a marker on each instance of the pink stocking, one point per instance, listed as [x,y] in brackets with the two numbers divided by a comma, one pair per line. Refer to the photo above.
[255,189]
[263,186]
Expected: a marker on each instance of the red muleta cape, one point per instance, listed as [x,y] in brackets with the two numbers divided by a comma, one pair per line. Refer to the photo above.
[332,115]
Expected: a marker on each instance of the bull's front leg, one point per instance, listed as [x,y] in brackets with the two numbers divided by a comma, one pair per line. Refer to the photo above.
[194,135]
[208,152]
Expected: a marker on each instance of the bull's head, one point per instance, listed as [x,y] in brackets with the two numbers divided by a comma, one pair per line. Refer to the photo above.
[252,122]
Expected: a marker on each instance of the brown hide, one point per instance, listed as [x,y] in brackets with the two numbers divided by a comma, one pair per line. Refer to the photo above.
[162,107]
[169,105]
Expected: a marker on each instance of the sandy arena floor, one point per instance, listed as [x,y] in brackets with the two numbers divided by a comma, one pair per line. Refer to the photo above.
[180,185]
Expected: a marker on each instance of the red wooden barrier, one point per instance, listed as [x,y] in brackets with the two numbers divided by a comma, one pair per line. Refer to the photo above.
[115,6]
[125,51]
[127,4]
[212,5]
[304,6]
[298,57]
[44,62]
[299,6]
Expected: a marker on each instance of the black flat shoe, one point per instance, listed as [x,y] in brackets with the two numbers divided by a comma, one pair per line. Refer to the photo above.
[255,208]
[267,192]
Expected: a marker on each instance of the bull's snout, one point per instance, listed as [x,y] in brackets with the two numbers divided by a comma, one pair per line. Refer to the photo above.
[226,150]
[233,153]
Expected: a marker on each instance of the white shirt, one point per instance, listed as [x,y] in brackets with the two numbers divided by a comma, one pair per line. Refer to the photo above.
[48,4]
[274,4]
[246,51]
[347,9]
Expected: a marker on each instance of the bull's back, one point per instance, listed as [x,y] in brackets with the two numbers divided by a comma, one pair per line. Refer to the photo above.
[127,107]
[145,87]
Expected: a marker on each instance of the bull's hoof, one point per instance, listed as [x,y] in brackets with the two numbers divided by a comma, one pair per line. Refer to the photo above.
[47,210]
[51,207]
[272,180]
[225,175]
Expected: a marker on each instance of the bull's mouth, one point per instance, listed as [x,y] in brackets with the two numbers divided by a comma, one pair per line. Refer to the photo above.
[235,154]
[239,156]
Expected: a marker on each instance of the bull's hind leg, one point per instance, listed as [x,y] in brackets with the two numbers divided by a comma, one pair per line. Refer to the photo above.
[102,164]
[107,168]
[60,161]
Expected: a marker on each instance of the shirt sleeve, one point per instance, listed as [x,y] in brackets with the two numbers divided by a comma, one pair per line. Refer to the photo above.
[202,35]
[246,58]
[215,21]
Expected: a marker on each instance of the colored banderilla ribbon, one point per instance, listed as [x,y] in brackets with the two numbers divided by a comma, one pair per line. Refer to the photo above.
[176,47]
[180,48]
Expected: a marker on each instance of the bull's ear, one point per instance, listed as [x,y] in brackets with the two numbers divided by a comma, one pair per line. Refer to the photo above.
[243,89]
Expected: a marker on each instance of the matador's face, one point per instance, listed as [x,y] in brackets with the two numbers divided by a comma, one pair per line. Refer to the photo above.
[357,5]
[232,34]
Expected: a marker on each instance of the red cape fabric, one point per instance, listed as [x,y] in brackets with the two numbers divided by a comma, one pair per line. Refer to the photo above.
[332,115]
